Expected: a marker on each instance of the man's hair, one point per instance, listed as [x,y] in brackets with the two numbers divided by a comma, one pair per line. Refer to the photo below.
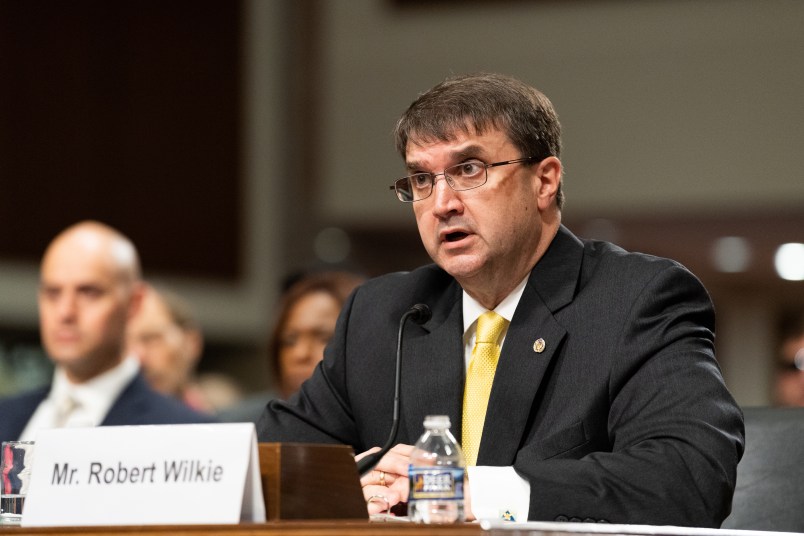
[476,103]
[178,309]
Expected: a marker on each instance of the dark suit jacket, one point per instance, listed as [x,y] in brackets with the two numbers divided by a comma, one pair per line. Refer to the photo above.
[137,404]
[624,416]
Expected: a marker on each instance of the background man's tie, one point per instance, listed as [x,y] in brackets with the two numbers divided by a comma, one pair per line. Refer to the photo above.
[65,407]
[479,378]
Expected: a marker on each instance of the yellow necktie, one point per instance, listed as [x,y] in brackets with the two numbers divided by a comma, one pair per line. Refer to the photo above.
[479,378]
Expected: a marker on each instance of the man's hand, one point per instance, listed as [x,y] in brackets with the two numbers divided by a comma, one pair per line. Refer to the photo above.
[467,499]
[387,484]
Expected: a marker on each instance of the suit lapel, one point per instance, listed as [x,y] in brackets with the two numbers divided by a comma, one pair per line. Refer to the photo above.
[432,357]
[519,374]
[16,418]
[532,341]
[128,408]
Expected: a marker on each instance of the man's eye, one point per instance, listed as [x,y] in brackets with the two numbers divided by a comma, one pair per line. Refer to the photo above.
[469,169]
[422,180]
[150,337]
[91,292]
[50,293]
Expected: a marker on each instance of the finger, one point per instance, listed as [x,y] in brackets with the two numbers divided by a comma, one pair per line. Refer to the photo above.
[377,505]
[378,478]
[401,486]
[467,501]
[364,454]
[375,477]
[380,498]
[402,449]
[388,479]
[396,461]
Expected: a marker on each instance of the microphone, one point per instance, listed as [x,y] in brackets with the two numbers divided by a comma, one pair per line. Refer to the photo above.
[419,313]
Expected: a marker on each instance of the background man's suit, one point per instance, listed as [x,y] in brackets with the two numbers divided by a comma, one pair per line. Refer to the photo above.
[627,381]
[137,404]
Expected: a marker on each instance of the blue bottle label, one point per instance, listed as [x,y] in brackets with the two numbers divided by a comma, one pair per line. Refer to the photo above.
[436,483]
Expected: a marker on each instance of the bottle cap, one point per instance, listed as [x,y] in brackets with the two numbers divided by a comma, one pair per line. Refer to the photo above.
[437,421]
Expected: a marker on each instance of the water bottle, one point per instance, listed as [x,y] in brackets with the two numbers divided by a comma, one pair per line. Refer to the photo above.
[436,474]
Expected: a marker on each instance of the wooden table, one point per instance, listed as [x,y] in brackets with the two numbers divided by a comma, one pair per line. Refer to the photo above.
[276,528]
[389,528]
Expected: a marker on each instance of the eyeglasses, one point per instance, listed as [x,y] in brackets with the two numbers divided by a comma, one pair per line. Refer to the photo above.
[464,176]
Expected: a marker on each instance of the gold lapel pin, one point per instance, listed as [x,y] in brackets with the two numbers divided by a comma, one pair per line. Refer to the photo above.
[539,345]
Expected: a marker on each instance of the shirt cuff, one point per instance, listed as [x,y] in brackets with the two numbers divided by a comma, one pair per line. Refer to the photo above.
[498,493]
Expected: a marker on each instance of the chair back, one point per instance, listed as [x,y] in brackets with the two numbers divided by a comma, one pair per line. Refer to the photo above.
[770,476]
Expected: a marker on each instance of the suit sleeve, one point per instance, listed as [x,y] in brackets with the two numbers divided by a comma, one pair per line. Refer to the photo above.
[674,431]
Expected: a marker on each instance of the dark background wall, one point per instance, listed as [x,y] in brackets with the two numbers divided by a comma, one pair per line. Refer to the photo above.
[126,112]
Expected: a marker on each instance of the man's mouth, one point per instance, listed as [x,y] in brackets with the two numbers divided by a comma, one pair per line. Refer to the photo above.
[454,237]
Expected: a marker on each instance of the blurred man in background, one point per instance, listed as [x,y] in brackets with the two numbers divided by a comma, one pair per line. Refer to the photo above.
[168,342]
[90,287]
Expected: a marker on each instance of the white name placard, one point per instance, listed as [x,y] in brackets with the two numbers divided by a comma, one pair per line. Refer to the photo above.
[145,475]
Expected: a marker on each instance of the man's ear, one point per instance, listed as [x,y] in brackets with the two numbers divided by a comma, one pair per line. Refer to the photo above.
[195,345]
[549,173]
[138,291]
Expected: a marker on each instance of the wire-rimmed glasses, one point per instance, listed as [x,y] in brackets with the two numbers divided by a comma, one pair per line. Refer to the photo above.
[464,176]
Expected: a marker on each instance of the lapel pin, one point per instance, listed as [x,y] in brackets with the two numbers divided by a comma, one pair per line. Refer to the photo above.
[539,345]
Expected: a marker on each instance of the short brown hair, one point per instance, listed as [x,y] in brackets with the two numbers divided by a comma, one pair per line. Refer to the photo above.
[477,102]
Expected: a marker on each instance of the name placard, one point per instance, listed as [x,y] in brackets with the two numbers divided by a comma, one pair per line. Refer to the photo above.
[145,475]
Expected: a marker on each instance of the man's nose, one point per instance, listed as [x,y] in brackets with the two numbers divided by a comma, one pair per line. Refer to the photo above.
[136,347]
[66,306]
[444,197]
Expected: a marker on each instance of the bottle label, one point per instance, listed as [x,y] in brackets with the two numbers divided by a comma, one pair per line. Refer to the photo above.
[436,483]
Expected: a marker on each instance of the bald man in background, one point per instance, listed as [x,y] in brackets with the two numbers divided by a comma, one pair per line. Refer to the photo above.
[90,286]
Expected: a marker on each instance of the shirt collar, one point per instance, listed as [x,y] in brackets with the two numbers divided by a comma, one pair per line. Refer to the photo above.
[472,308]
[97,395]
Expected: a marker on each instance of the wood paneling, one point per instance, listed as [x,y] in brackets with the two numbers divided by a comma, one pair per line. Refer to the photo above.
[125,112]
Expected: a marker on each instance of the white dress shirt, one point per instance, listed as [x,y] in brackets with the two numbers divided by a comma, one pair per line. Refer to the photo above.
[515,501]
[90,401]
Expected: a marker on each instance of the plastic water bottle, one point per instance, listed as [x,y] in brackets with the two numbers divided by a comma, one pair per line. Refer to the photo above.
[436,474]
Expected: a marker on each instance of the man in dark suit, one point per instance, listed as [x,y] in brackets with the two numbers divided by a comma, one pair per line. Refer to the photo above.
[607,403]
[90,286]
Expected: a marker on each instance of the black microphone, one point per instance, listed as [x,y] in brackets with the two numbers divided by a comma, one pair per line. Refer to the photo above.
[419,313]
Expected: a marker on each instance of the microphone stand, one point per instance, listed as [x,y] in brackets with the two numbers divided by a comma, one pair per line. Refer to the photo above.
[419,313]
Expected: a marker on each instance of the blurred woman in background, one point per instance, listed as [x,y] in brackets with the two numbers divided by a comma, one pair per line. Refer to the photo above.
[305,321]
[304,325]
[788,389]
